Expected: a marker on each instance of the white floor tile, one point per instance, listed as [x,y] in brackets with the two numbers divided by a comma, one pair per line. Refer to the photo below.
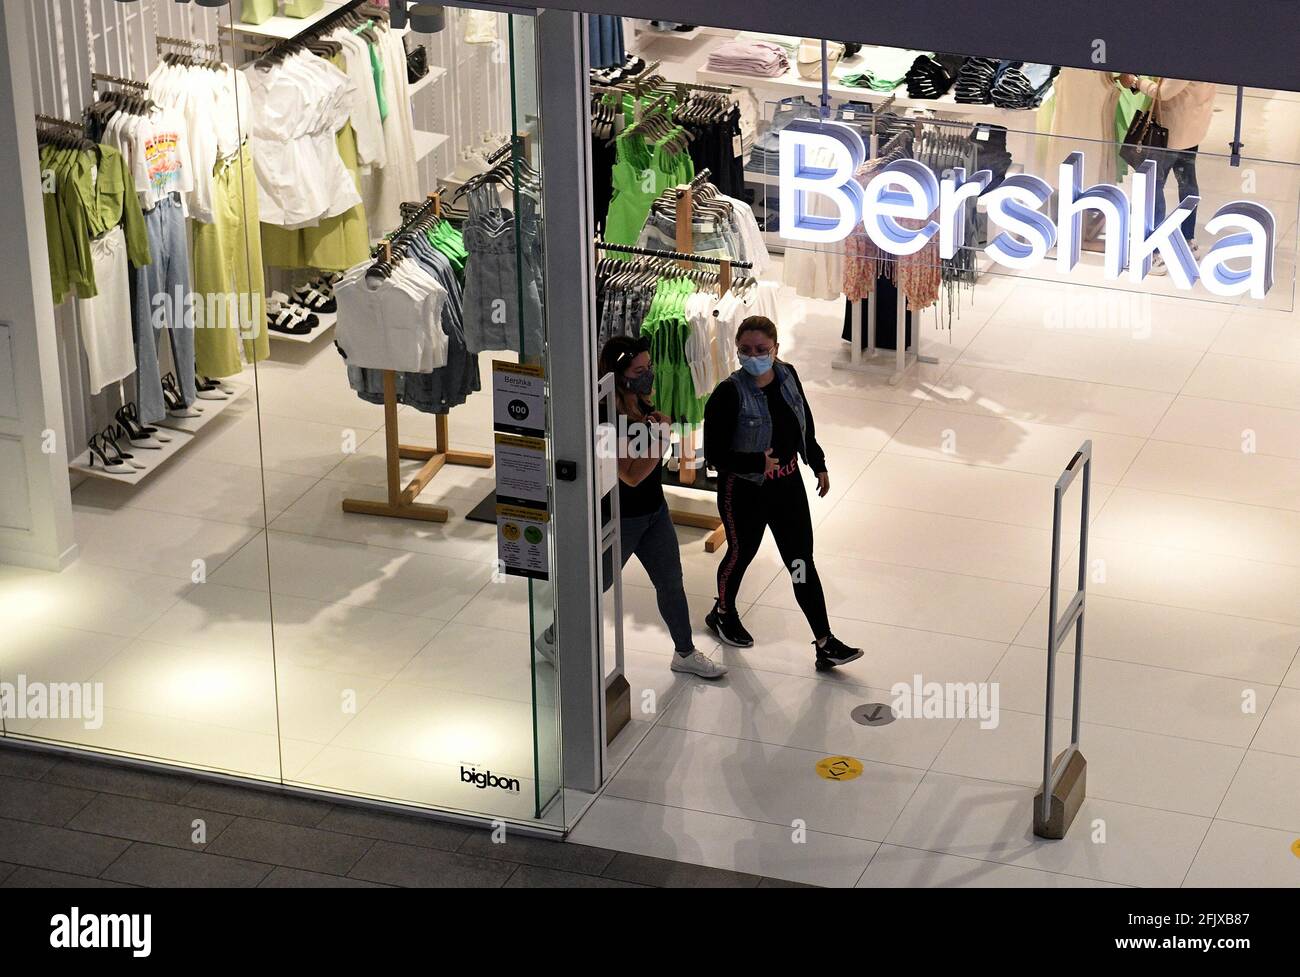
[1231,426]
[933,541]
[1261,336]
[475,661]
[782,643]
[1280,731]
[734,844]
[1072,356]
[156,542]
[48,653]
[87,597]
[1050,400]
[907,868]
[774,784]
[995,495]
[934,601]
[320,513]
[994,822]
[1213,473]
[167,739]
[806,714]
[1129,766]
[1177,637]
[1139,697]
[1182,578]
[996,442]
[361,576]
[1265,792]
[1250,381]
[1235,855]
[1250,532]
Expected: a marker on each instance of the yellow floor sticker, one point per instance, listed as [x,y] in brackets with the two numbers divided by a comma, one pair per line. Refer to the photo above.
[839,768]
[1295,848]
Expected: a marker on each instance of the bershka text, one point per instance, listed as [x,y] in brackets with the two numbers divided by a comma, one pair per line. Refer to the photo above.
[822,158]
[488,779]
[98,931]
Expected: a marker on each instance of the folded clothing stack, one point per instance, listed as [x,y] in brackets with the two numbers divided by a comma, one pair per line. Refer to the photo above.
[1022,86]
[762,58]
[882,69]
[931,76]
[975,81]
[766,155]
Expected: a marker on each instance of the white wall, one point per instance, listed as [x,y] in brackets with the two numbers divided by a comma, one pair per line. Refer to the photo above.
[35,499]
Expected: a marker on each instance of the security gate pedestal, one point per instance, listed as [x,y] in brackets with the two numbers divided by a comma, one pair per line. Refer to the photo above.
[1067,796]
[1065,777]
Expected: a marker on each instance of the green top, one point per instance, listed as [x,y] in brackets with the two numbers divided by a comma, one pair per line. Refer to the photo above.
[89,192]
[376,66]
[451,244]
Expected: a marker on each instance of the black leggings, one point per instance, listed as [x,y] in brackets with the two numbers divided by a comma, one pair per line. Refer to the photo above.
[747,510]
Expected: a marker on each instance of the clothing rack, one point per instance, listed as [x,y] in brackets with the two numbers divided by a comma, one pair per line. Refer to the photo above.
[96,77]
[325,23]
[163,40]
[401,502]
[51,120]
[685,466]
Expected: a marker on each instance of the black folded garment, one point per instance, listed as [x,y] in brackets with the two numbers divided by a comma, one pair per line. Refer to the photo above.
[931,76]
[975,81]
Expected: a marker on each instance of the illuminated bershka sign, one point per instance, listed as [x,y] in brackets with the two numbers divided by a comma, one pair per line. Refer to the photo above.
[820,158]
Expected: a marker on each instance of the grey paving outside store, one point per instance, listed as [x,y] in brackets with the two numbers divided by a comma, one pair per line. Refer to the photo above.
[77,823]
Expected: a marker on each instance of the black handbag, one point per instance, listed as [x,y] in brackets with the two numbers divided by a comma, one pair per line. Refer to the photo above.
[1145,134]
[417,64]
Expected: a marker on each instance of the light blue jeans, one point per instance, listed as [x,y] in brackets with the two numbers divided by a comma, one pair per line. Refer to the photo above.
[159,287]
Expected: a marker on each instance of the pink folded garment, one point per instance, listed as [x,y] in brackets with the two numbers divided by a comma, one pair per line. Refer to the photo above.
[751,58]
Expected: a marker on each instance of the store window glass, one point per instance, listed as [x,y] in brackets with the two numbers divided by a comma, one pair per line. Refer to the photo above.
[154,641]
[280,434]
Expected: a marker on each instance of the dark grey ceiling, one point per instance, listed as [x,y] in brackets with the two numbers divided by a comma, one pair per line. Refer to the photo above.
[1235,42]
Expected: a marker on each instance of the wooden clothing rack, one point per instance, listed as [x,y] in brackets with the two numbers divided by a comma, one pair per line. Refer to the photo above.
[401,501]
[684,256]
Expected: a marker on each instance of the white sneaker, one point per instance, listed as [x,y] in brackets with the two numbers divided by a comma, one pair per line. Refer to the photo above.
[545,647]
[697,663]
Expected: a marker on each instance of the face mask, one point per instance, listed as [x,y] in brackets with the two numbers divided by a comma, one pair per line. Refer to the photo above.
[756,366]
[642,385]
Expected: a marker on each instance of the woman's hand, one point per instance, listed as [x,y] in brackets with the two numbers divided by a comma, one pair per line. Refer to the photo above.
[770,465]
[1128,81]
[823,484]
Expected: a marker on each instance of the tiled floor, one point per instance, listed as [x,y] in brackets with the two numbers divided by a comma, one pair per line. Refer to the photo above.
[377,656]
[934,549]
[72,823]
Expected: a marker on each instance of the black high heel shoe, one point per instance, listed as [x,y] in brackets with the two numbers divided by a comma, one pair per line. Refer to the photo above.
[138,434]
[176,406]
[108,439]
[106,460]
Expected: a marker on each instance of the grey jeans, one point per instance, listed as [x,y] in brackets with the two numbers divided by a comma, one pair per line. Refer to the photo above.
[159,287]
[654,541]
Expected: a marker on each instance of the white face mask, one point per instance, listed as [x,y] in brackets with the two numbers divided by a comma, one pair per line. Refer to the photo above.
[756,366]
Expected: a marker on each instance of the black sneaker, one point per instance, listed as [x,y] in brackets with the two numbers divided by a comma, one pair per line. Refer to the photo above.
[835,652]
[728,629]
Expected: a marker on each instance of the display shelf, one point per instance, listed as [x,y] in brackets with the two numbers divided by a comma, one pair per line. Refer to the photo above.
[211,409]
[153,458]
[791,84]
[434,75]
[326,326]
[427,143]
[283,27]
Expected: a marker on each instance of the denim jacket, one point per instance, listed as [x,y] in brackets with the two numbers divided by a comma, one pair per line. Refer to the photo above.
[754,425]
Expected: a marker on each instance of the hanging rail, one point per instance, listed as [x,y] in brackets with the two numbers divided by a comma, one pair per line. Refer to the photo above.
[672,255]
